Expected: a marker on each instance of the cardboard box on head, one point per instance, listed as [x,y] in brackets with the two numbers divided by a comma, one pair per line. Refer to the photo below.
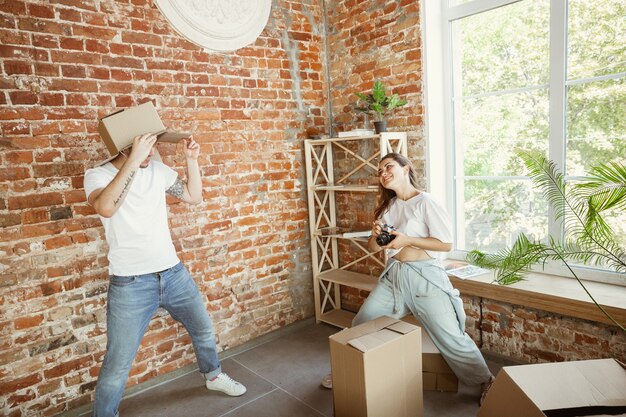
[120,128]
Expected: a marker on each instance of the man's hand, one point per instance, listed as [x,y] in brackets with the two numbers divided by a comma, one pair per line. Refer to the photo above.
[191,149]
[142,146]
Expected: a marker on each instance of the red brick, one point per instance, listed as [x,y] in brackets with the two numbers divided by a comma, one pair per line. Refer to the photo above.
[20,383]
[48,128]
[35,216]
[51,99]
[45,69]
[72,43]
[14,7]
[75,85]
[35,200]
[37,10]
[141,38]
[122,62]
[57,170]
[10,219]
[77,99]
[23,97]
[67,367]
[27,322]
[17,67]
[96,46]
[73,71]
[19,157]
[47,155]
[14,173]
[57,242]
[42,26]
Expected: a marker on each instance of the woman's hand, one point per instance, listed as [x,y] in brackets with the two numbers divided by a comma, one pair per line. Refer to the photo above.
[401,240]
[376,229]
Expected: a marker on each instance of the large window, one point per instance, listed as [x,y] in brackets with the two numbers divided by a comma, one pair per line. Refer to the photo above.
[537,75]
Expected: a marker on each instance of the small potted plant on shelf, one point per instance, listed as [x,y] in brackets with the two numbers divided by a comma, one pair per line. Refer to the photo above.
[379,104]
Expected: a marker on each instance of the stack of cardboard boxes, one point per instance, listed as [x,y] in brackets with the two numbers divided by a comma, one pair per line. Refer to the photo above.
[378,371]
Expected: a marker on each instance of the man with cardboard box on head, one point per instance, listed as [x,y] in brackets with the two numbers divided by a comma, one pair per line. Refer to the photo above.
[129,195]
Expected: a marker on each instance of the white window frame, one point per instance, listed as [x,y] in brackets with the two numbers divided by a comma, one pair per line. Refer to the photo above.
[441,165]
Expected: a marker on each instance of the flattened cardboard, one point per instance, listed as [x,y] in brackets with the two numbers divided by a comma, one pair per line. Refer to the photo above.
[120,128]
[436,373]
[576,388]
[376,370]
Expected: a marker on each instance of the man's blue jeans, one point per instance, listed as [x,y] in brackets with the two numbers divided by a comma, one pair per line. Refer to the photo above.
[132,302]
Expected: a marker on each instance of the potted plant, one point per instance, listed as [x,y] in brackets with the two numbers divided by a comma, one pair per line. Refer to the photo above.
[589,240]
[379,104]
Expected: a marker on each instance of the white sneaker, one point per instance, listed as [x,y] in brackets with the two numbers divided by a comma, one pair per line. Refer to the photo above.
[327,382]
[227,385]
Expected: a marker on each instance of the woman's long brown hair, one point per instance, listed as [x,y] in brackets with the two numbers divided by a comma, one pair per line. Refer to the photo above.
[386,195]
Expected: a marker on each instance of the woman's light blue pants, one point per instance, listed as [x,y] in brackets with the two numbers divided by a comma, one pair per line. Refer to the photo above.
[432,306]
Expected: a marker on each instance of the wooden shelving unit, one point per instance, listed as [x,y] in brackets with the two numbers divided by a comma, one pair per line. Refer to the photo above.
[322,187]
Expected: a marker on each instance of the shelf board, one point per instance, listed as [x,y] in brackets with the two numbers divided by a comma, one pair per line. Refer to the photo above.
[343,139]
[385,135]
[354,187]
[339,318]
[361,239]
[349,279]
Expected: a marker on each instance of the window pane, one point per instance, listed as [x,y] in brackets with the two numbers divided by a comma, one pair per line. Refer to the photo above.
[493,128]
[496,212]
[616,219]
[596,121]
[596,38]
[503,48]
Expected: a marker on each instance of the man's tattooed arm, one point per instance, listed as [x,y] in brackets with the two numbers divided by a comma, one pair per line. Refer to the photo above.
[177,189]
[125,189]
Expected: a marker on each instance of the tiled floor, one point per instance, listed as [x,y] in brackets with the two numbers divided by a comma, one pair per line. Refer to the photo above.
[282,373]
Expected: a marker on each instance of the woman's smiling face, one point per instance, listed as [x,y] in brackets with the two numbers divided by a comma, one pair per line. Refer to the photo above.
[388,171]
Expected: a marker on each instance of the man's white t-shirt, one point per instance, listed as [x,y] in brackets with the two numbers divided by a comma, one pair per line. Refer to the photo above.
[138,233]
[419,216]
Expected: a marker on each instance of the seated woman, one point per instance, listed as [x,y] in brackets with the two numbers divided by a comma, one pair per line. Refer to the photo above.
[414,280]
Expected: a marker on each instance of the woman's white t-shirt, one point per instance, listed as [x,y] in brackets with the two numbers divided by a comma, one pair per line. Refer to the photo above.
[138,233]
[419,216]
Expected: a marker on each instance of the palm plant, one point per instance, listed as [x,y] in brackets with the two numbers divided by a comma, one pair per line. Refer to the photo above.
[589,239]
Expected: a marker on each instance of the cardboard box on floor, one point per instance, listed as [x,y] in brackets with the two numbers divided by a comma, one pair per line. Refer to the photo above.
[563,389]
[375,370]
[436,373]
[120,128]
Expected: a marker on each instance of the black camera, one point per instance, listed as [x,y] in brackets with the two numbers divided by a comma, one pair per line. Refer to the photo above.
[384,238]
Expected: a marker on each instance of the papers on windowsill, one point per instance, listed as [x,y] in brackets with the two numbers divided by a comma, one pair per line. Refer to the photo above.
[466,271]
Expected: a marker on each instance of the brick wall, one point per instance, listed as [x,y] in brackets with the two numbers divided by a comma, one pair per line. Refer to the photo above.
[528,336]
[67,62]
[64,63]
[368,41]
